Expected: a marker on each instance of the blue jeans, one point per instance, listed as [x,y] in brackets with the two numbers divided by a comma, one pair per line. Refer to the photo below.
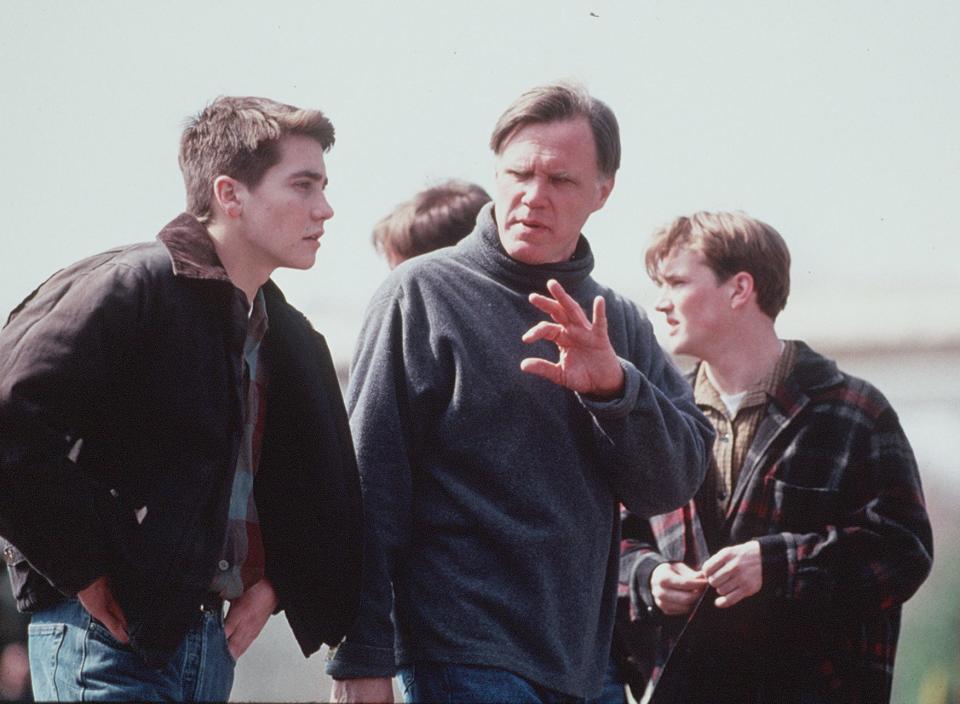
[73,657]
[442,683]
[613,691]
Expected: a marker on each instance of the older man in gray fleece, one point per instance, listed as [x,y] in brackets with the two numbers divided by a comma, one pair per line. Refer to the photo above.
[490,474]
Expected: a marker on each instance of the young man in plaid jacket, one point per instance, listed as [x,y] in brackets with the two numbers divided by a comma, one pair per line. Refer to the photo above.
[783,579]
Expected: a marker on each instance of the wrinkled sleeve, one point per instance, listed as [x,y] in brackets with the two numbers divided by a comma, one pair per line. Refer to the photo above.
[639,557]
[59,353]
[380,421]
[653,440]
[879,552]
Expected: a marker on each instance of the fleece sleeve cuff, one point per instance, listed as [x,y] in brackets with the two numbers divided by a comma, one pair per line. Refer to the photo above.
[353,660]
[617,407]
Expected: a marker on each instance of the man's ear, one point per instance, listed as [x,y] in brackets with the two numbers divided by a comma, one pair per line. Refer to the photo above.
[741,289]
[228,195]
[603,190]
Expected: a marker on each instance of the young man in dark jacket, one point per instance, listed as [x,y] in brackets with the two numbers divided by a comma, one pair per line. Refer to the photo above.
[783,579]
[172,435]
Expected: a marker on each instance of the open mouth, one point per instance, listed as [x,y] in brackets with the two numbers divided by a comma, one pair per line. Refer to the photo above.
[530,224]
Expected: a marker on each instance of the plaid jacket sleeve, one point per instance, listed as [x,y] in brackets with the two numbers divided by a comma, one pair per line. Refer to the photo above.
[676,536]
[849,525]
[639,556]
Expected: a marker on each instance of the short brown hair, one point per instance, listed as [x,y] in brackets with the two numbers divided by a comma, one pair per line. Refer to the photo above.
[436,217]
[239,137]
[730,243]
[563,101]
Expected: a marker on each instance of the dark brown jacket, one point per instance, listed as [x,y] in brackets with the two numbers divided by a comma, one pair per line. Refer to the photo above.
[120,422]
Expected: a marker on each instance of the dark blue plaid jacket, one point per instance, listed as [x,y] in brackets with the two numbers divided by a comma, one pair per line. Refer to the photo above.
[830,489]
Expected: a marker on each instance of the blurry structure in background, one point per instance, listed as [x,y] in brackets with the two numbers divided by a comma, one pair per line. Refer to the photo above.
[436,217]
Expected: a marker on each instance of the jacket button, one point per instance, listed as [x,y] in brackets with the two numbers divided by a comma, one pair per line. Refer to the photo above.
[223,565]
[9,556]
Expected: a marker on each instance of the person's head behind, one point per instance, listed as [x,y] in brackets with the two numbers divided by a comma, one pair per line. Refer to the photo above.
[436,217]
[240,137]
[730,243]
[563,101]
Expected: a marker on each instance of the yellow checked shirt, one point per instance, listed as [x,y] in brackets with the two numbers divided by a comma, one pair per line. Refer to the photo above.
[734,435]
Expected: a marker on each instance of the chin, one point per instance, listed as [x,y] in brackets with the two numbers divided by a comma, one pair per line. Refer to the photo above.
[302,264]
[678,347]
[522,252]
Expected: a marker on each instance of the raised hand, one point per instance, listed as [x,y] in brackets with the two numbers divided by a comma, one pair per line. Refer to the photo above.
[587,363]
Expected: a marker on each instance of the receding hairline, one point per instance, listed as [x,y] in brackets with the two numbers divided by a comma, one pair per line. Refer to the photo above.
[509,136]
[560,102]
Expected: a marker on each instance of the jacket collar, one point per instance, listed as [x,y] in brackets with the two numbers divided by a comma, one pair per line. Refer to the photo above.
[193,255]
[191,249]
[812,373]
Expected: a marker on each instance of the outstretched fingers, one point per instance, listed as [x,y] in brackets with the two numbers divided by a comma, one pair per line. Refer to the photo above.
[572,309]
[550,307]
[544,331]
[600,316]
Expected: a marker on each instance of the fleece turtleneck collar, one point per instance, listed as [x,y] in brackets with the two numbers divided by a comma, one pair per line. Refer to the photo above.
[483,245]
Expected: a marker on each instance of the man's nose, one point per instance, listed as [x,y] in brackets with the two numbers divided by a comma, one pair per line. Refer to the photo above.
[533,192]
[322,210]
[663,304]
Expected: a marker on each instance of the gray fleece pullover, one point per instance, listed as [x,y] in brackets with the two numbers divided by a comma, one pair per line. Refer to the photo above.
[493,493]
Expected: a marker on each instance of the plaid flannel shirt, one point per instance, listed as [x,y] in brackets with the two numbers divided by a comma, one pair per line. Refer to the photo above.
[830,490]
[242,561]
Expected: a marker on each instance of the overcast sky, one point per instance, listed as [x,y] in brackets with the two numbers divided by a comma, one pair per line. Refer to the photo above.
[835,122]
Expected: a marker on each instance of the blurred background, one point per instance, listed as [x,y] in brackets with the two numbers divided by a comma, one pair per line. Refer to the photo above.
[834,122]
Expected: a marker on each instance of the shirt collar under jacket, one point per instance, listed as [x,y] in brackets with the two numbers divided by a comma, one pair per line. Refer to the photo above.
[707,395]
[483,245]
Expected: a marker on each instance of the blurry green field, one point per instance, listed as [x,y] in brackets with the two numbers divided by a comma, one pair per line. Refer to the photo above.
[928,658]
